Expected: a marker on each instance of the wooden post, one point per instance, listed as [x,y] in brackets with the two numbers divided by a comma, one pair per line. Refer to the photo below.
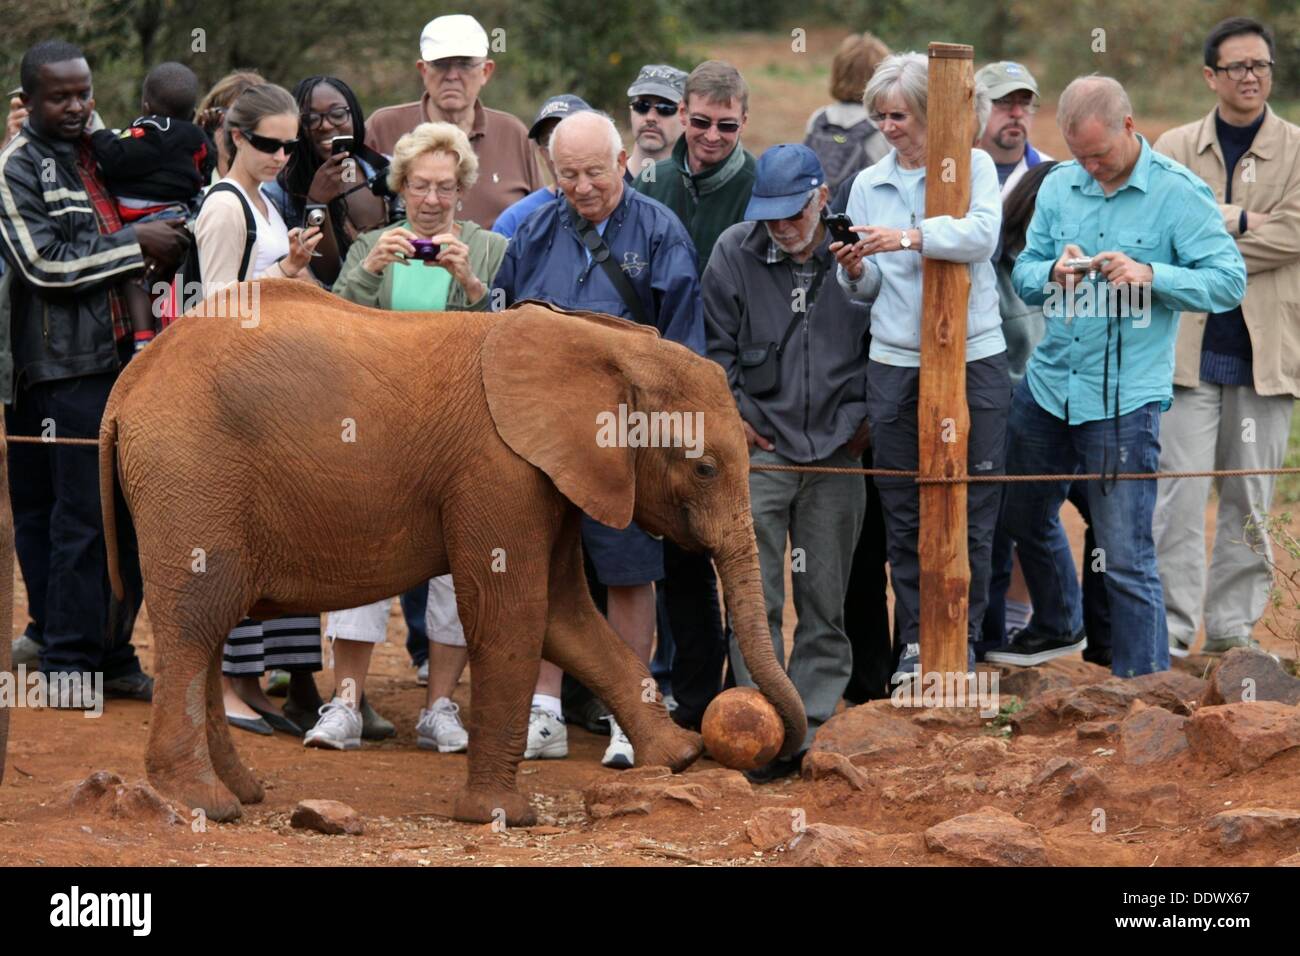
[943,421]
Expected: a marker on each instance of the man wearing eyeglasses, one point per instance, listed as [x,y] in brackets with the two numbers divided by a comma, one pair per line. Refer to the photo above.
[655,115]
[1237,372]
[1014,93]
[454,67]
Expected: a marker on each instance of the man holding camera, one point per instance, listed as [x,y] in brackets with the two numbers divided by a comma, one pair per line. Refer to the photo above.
[67,255]
[795,356]
[1235,380]
[1121,241]
[454,68]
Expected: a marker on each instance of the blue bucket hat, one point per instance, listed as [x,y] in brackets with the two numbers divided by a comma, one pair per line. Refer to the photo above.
[785,175]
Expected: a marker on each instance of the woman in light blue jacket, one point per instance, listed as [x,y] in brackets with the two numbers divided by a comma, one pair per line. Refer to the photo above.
[883,270]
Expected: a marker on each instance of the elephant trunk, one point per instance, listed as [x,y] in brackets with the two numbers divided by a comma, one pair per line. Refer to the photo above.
[742,586]
[6,590]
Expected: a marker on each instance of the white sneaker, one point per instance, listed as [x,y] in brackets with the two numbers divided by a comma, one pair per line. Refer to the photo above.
[619,752]
[440,728]
[339,727]
[422,674]
[548,737]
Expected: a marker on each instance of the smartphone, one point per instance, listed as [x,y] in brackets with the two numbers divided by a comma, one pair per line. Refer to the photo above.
[341,144]
[839,227]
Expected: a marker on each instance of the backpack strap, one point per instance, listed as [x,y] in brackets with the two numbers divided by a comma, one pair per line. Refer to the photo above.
[595,244]
[250,225]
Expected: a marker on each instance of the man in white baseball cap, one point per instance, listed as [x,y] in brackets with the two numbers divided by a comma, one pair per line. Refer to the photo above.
[454,67]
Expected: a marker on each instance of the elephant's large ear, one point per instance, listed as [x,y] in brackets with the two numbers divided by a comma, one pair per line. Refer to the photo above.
[554,383]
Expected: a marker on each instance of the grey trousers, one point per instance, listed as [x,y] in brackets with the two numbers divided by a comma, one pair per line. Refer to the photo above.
[821,515]
[892,394]
[1217,427]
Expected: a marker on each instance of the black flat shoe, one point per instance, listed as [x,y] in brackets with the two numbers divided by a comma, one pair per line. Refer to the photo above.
[253,725]
[776,770]
[279,722]
[303,717]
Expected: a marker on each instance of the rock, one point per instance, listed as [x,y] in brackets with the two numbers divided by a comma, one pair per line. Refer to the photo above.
[1243,736]
[1055,768]
[1097,729]
[988,837]
[875,728]
[947,718]
[639,789]
[1175,691]
[824,844]
[818,764]
[1151,735]
[327,816]
[977,753]
[106,794]
[1084,784]
[1111,699]
[1251,672]
[1059,674]
[1242,826]
[774,826]
[1163,802]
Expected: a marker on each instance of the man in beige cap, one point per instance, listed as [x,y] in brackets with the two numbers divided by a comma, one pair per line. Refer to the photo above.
[1005,137]
[454,67]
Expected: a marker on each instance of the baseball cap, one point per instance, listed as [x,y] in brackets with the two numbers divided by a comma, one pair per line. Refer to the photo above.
[556,108]
[1005,77]
[657,79]
[782,180]
[455,35]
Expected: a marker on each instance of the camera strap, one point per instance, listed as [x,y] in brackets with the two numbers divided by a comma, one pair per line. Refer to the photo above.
[813,288]
[595,243]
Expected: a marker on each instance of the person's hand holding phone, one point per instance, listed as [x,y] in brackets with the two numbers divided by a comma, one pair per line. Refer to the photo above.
[329,182]
[851,256]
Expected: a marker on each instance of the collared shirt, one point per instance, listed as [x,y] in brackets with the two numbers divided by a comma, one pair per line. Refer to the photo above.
[109,222]
[804,272]
[1163,216]
[507,170]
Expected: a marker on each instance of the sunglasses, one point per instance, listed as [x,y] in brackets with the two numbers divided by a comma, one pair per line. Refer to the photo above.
[645,106]
[337,116]
[265,144]
[726,126]
[895,117]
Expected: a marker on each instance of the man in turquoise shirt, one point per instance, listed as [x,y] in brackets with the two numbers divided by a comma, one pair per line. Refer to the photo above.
[1095,386]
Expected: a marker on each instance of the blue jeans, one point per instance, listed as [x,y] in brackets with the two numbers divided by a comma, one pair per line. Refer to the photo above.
[1041,443]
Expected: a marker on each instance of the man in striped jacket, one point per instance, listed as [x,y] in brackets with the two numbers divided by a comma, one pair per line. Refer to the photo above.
[66,255]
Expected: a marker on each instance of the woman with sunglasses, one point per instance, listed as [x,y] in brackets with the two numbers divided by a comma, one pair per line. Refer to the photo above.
[319,174]
[259,132]
[883,269]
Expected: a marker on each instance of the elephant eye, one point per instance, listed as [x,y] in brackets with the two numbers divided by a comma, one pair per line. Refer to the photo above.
[706,469]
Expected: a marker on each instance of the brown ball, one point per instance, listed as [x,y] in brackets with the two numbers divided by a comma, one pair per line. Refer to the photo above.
[742,729]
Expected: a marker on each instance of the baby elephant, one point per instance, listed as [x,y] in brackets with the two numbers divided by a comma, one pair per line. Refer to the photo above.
[325,455]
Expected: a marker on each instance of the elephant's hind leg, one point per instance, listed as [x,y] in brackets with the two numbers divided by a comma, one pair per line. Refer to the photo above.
[581,642]
[225,758]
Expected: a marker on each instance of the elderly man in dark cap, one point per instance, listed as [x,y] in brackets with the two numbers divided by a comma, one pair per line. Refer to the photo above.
[548,117]
[795,355]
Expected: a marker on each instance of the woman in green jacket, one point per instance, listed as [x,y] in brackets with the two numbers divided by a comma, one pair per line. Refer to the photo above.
[433,166]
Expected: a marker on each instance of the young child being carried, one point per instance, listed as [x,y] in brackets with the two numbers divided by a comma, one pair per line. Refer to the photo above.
[156,168]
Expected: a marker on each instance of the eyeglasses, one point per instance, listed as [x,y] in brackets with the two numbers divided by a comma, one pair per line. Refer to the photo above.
[663,109]
[1008,103]
[727,127]
[421,190]
[265,144]
[895,117]
[462,64]
[337,115]
[1238,71]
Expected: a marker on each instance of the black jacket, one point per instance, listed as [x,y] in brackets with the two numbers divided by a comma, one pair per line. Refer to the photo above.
[156,157]
[58,268]
[822,399]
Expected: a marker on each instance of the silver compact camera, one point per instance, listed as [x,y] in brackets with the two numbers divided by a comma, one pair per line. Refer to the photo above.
[314,215]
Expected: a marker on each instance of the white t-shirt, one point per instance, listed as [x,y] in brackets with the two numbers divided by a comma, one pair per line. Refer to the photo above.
[272,234]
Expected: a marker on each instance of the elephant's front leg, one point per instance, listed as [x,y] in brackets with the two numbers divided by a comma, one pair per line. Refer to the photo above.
[504,630]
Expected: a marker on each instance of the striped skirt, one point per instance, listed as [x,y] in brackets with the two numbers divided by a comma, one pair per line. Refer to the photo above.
[285,643]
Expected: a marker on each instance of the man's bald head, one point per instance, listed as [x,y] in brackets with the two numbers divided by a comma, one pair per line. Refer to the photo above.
[1093,97]
[589,161]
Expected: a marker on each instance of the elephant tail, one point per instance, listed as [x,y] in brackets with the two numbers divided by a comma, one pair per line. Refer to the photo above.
[108,496]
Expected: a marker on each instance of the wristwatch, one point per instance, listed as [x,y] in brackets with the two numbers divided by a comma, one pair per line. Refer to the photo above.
[905,240]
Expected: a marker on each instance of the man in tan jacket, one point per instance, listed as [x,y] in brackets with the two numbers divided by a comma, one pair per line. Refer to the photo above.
[1237,373]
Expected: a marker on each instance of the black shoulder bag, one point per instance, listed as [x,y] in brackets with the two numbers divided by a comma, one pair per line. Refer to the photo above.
[600,253]
[760,362]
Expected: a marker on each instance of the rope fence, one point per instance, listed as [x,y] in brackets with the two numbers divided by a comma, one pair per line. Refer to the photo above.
[879,472]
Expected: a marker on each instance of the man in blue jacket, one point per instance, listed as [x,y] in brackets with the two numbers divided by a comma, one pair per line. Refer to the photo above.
[569,254]
[1122,240]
